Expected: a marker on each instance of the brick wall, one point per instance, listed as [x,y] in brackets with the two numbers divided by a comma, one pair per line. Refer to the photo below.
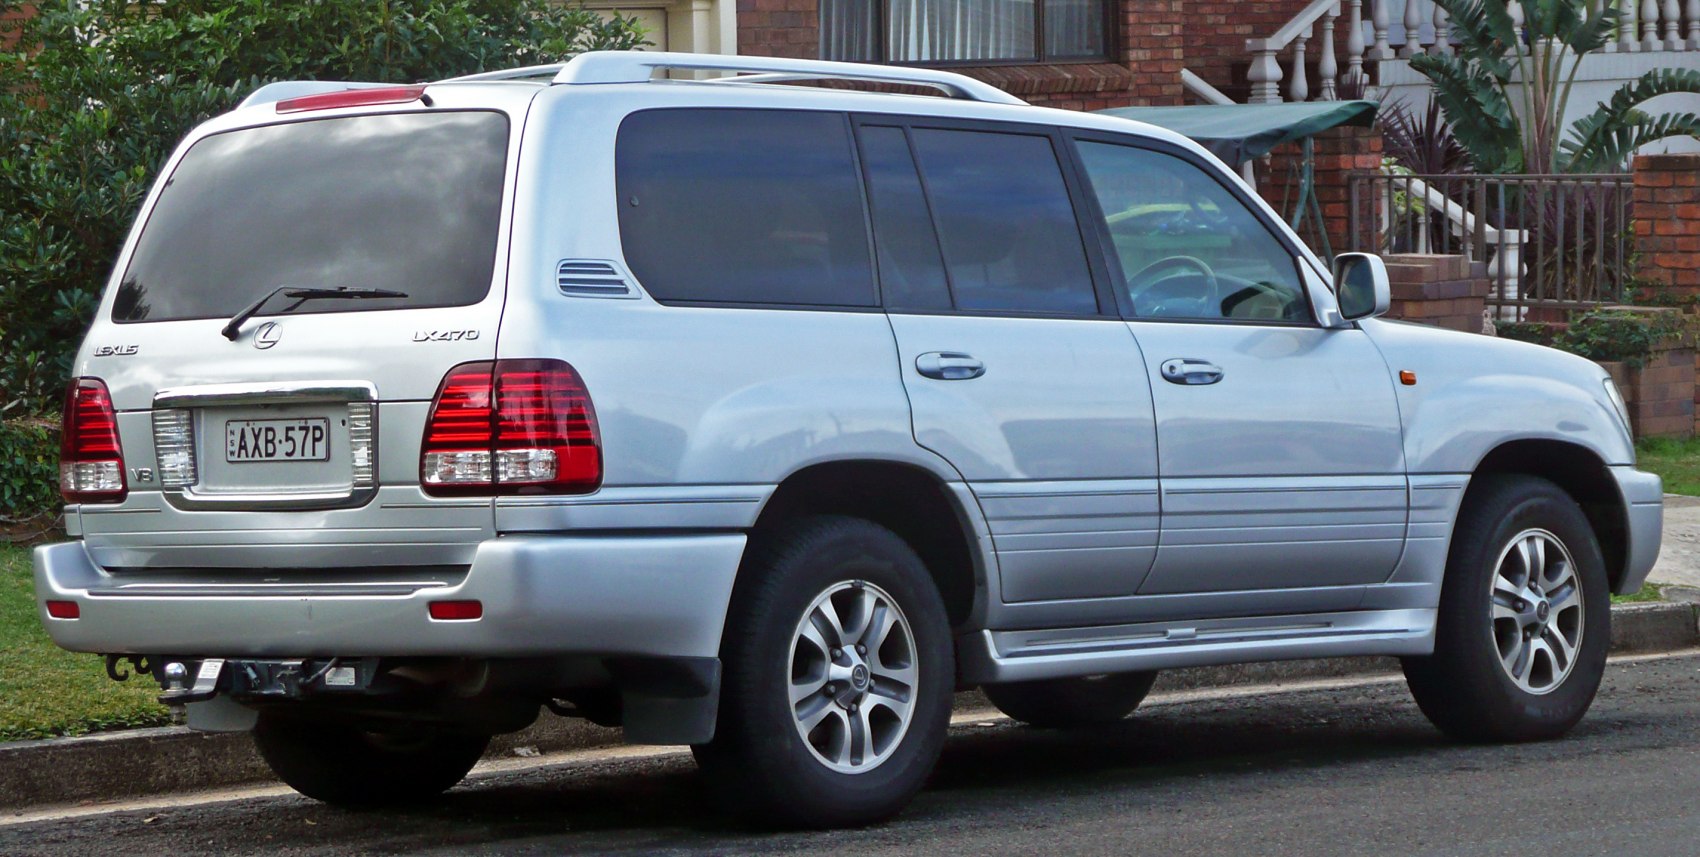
[1660,394]
[1337,152]
[779,28]
[1445,291]
[9,23]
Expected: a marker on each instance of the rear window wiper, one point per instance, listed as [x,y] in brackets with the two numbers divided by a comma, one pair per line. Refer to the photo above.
[302,295]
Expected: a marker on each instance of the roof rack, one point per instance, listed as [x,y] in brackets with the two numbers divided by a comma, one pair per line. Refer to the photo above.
[510,73]
[640,66]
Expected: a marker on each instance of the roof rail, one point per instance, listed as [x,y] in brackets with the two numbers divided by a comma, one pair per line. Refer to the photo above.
[640,66]
[509,73]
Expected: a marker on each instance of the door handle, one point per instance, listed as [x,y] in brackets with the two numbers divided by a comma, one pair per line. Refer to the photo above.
[1188,371]
[949,366]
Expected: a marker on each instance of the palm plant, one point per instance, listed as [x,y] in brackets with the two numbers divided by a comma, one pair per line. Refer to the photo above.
[1508,85]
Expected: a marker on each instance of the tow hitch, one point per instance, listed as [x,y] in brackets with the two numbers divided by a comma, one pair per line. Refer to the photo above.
[183,681]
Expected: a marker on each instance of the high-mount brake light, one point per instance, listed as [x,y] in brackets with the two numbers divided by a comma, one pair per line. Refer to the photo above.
[511,427]
[91,460]
[353,98]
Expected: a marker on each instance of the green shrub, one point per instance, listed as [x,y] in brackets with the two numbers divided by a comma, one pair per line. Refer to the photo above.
[29,477]
[96,94]
[1605,335]
[1538,332]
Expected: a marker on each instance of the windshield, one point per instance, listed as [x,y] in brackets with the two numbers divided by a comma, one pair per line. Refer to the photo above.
[406,201]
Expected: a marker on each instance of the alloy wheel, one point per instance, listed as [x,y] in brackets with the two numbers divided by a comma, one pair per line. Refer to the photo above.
[1537,611]
[853,676]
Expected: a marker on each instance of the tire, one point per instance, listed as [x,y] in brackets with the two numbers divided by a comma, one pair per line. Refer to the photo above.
[806,764]
[1490,625]
[1065,703]
[346,766]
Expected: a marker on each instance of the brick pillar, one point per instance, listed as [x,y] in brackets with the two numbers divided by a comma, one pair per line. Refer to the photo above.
[1445,291]
[1337,153]
[1667,229]
[1667,222]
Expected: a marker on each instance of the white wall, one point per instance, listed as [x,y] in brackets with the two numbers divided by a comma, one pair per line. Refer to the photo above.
[695,26]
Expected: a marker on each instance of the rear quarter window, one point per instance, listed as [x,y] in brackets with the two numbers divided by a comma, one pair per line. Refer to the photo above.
[406,201]
[743,206]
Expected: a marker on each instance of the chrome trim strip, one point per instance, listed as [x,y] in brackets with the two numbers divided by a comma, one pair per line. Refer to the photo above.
[190,501]
[268,590]
[270,393]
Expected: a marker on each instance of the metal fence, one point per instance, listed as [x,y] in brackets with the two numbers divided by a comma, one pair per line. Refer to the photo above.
[1560,242]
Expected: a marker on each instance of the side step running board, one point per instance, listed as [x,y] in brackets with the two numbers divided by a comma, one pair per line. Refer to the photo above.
[999,656]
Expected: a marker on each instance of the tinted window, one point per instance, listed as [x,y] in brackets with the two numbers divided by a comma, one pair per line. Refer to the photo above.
[1010,238]
[409,202]
[911,269]
[1188,247]
[743,206]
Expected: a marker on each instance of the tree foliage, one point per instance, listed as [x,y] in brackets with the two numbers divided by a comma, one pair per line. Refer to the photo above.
[94,96]
[1507,87]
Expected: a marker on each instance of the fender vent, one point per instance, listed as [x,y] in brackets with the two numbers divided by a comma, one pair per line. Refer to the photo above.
[592,278]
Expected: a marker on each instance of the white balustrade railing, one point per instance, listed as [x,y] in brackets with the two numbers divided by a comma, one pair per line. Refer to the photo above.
[1282,65]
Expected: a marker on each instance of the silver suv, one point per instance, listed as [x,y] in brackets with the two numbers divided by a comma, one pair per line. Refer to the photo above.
[762,417]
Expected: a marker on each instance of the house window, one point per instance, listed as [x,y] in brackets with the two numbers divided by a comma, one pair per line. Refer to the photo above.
[964,31]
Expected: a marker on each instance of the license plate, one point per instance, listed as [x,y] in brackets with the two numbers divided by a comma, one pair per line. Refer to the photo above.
[277,440]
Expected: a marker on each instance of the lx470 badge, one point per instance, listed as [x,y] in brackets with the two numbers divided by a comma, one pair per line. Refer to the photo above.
[444,335]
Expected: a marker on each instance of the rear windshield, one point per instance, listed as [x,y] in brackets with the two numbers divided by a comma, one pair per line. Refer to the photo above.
[407,201]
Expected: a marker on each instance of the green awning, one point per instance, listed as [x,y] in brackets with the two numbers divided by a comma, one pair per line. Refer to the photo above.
[1237,133]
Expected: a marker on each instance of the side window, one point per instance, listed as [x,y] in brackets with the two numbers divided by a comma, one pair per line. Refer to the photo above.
[1005,222]
[1187,246]
[743,206]
[911,269]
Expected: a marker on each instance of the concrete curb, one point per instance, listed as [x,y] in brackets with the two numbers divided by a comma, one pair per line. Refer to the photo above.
[133,763]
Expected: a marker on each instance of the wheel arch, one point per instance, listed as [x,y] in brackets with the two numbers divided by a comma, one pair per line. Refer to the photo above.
[911,501]
[1582,474]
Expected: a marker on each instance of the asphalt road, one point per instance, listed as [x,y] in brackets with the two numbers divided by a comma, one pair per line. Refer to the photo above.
[1343,769]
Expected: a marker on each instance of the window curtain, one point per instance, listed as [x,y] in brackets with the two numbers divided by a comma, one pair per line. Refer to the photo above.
[1074,28]
[959,30]
[849,30]
[947,30]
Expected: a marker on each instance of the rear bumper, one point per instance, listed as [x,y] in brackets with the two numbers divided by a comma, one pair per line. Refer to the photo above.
[1644,505]
[663,596]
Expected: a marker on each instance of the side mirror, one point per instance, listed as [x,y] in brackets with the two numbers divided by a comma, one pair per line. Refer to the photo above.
[1360,285]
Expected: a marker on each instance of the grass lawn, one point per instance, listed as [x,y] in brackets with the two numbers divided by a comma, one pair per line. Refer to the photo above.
[1648,592]
[1676,461]
[46,691]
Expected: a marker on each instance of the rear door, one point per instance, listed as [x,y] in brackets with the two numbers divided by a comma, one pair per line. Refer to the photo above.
[1280,453]
[295,443]
[1014,374]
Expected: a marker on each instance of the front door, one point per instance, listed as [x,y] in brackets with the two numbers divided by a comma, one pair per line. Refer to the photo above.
[1279,441]
[1014,374]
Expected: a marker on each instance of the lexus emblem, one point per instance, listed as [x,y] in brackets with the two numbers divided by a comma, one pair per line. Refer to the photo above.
[266,336]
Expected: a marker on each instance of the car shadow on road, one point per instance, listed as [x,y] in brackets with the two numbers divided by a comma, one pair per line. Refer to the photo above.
[666,804]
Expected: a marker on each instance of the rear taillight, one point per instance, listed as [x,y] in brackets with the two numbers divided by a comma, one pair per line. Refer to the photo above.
[91,461]
[511,427]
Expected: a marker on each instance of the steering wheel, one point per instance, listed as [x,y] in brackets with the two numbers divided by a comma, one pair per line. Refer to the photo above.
[1143,279]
